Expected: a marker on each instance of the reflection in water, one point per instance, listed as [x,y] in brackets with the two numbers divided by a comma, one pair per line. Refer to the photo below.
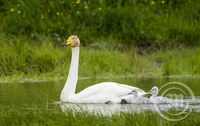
[109,109]
[39,93]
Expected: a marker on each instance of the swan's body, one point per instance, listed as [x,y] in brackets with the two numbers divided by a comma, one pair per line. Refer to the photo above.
[158,99]
[102,93]
[98,93]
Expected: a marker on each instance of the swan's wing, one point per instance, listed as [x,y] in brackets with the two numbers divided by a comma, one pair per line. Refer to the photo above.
[140,91]
[111,89]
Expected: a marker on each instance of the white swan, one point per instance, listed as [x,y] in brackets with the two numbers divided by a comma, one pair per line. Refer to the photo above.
[158,99]
[139,99]
[98,93]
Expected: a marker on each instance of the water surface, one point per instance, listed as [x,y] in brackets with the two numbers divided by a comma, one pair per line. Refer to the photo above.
[48,93]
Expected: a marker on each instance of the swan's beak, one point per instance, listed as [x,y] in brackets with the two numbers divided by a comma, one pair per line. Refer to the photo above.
[69,41]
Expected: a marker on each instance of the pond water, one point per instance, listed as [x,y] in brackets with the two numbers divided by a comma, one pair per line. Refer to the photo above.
[48,93]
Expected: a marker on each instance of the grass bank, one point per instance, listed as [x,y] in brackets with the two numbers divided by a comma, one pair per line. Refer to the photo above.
[22,58]
[15,116]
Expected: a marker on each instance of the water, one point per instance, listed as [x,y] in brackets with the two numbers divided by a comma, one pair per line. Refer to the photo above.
[48,94]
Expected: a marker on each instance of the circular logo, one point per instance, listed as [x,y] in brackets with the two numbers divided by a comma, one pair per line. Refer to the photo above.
[181,96]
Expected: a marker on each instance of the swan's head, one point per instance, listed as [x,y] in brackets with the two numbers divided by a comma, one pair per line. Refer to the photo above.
[154,91]
[73,41]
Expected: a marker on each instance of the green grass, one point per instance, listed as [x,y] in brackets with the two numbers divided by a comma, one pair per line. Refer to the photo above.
[23,58]
[134,22]
[34,116]
[110,32]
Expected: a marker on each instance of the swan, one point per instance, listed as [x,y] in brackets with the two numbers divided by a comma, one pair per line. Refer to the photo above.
[158,99]
[139,99]
[99,93]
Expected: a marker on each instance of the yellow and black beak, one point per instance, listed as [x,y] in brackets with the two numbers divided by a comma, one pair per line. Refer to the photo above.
[69,41]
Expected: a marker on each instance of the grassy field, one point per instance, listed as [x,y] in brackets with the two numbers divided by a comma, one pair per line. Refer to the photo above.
[113,36]
[18,116]
[22,58]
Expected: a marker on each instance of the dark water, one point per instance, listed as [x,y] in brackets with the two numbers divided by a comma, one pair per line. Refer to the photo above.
[41,93]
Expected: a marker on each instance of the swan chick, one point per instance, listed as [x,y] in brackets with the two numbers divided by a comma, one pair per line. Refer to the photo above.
[139,99]
[157,99]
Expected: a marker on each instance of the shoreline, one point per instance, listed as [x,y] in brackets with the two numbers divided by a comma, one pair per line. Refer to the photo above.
[36,79]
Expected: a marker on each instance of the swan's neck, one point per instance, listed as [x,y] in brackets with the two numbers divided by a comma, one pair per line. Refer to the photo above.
[70,85]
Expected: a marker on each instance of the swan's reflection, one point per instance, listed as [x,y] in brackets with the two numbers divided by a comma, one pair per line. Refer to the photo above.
[109,109]
[104,109]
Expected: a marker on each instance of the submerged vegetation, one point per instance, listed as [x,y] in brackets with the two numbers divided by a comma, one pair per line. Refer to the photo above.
[14,116]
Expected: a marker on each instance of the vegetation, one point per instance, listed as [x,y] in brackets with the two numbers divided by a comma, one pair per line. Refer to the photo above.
[14,116]
[22,58]
[113,34]
[133,22]
[156,38]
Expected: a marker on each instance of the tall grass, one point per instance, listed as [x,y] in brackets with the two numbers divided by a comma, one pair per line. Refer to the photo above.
[31,31]
[182,61]
[138,22]
[21,56]
[15,116]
